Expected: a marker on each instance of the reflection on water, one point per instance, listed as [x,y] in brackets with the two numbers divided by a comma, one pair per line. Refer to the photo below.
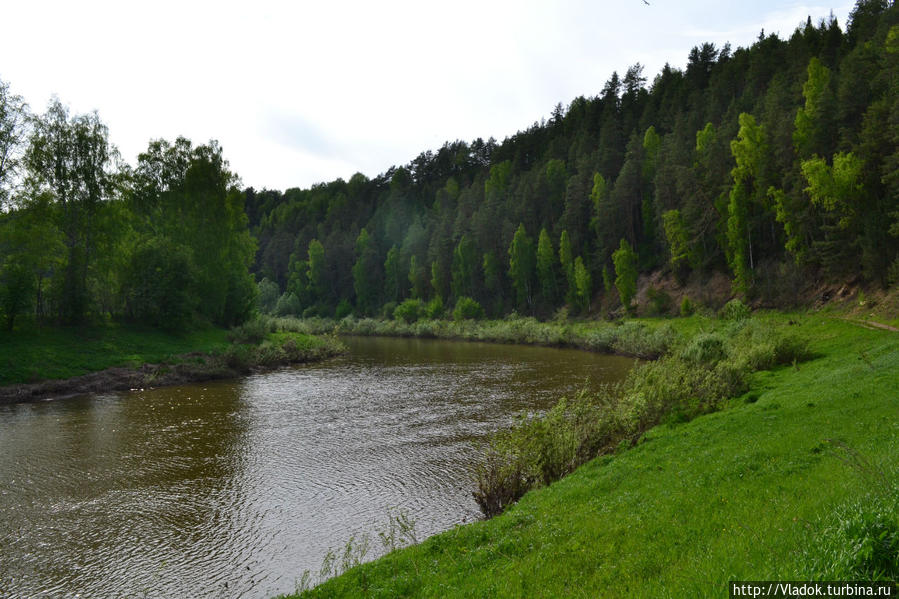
[234,488]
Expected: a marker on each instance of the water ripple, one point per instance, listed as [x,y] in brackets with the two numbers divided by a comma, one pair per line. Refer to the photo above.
[234,488]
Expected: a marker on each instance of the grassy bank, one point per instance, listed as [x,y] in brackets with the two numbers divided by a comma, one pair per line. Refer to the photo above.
[646,339]
[115,356]
[792,479]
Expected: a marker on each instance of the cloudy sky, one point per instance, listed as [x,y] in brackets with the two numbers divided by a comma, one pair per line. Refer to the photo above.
[303,92]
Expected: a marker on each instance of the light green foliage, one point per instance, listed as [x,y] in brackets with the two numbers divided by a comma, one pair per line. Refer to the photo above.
[438,280]
[496,184]
[584,284]
[434,308]
[679,247]
[343,309]
[786,215]
[546,267]
[625,260]
[835,189]
[409,311]
[749,150]
[735,310]
[652,141]
[687,307]
[466,309]
[812,123]
[606,279]
[521,266]
[704,139]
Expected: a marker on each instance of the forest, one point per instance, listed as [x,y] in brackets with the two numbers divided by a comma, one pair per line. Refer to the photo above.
[776,165]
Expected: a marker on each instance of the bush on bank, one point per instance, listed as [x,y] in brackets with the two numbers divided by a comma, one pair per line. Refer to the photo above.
[707,370]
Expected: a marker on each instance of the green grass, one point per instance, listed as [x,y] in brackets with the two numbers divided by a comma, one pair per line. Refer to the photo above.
[63,352]
[769,487]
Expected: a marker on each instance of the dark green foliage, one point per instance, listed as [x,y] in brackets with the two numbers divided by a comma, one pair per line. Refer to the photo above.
[522,263]
[157,284]
[659,301]
[747,159]
[288,305]
[344,308]
[466,308]
[687,308]
[253,331]
[434,308]
[268,296]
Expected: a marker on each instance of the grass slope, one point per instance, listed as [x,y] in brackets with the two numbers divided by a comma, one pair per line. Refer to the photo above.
[754,491]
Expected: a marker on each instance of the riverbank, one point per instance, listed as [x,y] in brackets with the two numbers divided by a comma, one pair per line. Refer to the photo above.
[792,479]
[646,338]
[59,362]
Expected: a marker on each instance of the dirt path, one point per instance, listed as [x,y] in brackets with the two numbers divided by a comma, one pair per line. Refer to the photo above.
[869,324]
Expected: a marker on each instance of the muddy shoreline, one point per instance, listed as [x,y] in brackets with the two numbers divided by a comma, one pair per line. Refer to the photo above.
[201,367]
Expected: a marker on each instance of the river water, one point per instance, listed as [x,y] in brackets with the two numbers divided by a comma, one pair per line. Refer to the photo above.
[233,489]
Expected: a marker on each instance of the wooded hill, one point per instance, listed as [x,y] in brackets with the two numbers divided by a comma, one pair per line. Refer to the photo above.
[776,164]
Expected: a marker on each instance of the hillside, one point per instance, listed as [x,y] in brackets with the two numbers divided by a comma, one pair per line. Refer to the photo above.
[772,166]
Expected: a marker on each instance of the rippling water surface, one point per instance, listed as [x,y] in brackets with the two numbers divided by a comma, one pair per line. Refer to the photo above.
[234,489]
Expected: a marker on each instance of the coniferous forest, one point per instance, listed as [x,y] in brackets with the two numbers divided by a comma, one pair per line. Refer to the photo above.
[776,165]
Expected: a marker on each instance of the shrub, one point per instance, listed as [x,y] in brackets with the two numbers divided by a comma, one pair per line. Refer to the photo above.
[267,298]
[705,349]
[288,305]
[860,541]
[734,310]
[409,311]
[659,301]
[687,308]
[252,331]
[387,310]
[434,308]
[635,339]
[344,309]
[466,308]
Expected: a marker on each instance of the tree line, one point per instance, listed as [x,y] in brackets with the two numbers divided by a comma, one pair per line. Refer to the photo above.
[86,237]
[775,164]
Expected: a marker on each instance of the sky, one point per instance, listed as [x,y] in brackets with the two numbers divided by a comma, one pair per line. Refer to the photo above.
[302,92]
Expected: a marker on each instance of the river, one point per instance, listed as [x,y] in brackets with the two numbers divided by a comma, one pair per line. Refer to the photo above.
[233,489]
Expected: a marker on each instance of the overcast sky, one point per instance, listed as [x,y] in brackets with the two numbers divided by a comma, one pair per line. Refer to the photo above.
[304,92]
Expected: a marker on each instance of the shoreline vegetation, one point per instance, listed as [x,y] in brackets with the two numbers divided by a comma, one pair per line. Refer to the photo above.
[753,446]
[118,358]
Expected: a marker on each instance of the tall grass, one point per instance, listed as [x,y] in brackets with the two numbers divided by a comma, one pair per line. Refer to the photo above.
[697,379]
[630,338]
